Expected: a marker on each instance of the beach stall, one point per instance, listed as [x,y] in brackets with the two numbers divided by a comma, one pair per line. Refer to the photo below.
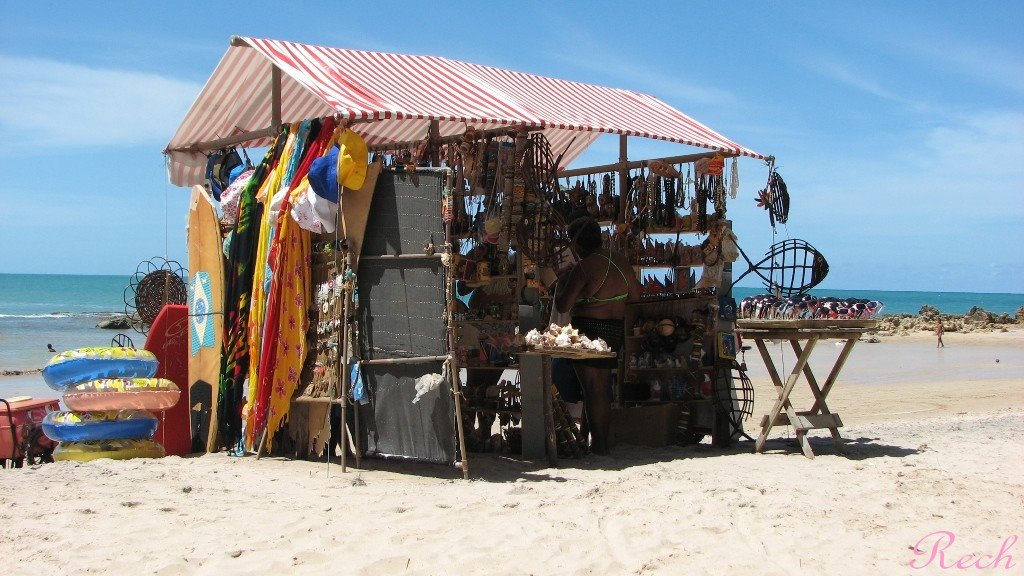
[391,263]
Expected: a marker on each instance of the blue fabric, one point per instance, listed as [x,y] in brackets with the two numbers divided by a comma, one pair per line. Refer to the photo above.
[236,172]
[211,162]
[358,389]
[323,176]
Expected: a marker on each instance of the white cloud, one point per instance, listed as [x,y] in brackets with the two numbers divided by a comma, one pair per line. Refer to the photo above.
[49,104]
[673,86]
[989,63]
[844,74]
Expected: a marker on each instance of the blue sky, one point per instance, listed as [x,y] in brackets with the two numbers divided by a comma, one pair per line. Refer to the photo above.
[899,127]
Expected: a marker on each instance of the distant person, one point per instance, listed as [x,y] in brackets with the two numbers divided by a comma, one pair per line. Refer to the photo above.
[938,333]
[49,348]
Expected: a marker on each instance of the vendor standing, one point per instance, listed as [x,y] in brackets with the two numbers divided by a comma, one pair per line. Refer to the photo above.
[596,290]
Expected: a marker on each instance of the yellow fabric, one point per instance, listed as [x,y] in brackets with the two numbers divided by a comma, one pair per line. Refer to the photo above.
[353,158]
[290,348]
[258,306]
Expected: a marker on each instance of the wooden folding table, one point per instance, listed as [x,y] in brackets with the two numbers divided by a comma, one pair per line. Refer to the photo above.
[803,336]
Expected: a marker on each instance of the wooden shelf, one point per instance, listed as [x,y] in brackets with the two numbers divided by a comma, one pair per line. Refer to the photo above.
[495,411]
[486,321]
[679,296]
[671,231]
[676,266]
[652,370]
[509,367]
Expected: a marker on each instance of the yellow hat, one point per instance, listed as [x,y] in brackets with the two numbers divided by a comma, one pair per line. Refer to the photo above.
[352,160]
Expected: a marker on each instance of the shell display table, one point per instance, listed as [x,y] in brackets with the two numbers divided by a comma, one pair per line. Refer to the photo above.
[803,336]
[538,420]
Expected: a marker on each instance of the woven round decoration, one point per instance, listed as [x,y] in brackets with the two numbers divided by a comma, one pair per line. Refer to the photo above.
[539,168]
[542,235]
[541,232]
[156,283]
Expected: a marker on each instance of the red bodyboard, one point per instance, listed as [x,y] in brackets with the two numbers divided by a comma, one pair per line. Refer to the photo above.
[168,340]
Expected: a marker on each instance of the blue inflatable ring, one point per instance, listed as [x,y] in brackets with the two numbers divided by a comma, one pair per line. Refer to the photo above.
[103,425]
[84,364]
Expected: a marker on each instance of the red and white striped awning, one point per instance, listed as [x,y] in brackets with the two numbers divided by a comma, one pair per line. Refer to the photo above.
[395,96]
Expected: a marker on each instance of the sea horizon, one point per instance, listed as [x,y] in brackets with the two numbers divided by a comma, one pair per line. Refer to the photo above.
[63,310]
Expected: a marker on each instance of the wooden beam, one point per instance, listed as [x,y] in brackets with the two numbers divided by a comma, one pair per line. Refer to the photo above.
[508,129]
[317,400]
[400,256]
[219,143]
[623,165]
[416,360]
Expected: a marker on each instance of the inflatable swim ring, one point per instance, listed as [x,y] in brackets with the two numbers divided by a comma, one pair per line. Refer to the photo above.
[153,394]
[105,425]
[114,449]
[84,364]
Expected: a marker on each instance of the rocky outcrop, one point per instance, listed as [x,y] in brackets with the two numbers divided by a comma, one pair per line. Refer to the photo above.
[115,323]
[20,372]
[977,319]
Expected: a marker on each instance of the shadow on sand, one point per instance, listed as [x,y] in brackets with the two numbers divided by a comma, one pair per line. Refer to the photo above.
[491,467]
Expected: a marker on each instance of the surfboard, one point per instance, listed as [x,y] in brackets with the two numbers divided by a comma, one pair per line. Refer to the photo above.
[206,317]
[168,340]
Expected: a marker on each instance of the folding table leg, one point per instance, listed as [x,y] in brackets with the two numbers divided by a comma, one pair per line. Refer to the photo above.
[782,402]
[819,406]
[777,381]
[833,375]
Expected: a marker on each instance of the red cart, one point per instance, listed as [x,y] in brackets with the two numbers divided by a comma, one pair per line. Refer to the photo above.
[21,435]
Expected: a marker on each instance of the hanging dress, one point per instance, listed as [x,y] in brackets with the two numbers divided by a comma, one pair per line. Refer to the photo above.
[238,291]
[285,167]
[287,320]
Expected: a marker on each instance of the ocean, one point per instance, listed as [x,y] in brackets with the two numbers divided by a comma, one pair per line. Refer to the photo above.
[57,309]
[41,309]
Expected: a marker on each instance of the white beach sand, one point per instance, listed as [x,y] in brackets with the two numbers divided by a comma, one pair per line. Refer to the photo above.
[934,443]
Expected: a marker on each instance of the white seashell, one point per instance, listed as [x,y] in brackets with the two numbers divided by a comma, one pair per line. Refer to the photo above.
[562,340]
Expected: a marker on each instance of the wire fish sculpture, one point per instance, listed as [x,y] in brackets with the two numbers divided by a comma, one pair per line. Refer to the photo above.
[789,268]
[775,198]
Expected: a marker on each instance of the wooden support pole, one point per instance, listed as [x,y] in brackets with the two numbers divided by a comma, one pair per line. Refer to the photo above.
[275,98]
[343,368]
[623,169]
[453,376]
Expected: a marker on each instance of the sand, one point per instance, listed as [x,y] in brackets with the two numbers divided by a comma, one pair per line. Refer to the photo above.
[933,445]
